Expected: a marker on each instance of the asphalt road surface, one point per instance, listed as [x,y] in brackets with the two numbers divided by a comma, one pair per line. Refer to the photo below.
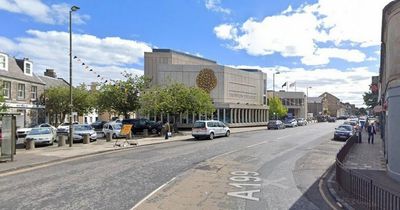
[268,169]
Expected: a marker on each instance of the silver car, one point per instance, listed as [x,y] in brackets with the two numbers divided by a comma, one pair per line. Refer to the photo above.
[209,129]
[81,129]
[45,135]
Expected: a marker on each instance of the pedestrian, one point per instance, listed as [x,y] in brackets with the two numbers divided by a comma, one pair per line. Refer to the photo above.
[167,130]
[371,132]
[359,133]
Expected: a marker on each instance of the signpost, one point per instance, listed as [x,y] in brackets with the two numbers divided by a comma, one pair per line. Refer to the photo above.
[125,130]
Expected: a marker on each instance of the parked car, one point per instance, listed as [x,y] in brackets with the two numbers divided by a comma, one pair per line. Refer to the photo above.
[301,122]
[81,129]
[344,131]
[209,129]
[140,124]
[98,125]
[63,128]
[41,135]
[331,119]
[276,124]
[114,129]
[290,123]
[23,132]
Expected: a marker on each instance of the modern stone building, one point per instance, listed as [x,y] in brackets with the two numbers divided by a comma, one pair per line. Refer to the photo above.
[22,89]
[390,86]
[238,94]
[296,102]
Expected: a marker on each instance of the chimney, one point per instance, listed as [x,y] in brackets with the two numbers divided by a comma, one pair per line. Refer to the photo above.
[50,73]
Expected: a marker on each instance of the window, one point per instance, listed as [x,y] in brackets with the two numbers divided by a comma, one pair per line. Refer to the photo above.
[7,89]
[3,62]
[21,91]
[34,92]
[28,68]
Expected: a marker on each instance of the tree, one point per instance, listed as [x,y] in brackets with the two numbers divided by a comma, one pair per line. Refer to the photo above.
[174,99]
[276,108]
[122,97]
[57,99]
[370,99]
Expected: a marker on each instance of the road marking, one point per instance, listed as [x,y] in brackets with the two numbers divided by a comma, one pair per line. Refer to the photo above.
[152,193]
[282,137]
[245,176]
[257,144]
[276,184]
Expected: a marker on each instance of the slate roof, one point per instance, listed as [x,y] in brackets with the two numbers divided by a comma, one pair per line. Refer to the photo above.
[53,82]
[16,72]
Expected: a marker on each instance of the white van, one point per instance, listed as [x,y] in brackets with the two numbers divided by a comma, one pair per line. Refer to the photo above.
[113,128]
[209,129]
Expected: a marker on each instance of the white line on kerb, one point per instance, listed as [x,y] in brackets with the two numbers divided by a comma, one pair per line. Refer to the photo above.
[152,193]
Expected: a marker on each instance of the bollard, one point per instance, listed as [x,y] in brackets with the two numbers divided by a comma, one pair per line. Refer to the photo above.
[86,139]
[30,144]
[145,132]
[108,137]
[61,140]
[129,135]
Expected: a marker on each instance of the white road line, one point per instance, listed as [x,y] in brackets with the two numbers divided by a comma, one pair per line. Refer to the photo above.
[282,137]
[152,193]
[256,144]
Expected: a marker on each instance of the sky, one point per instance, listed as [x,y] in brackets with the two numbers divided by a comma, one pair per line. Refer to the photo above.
[327,45]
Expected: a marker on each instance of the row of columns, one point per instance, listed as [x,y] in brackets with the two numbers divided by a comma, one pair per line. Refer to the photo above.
[248,115]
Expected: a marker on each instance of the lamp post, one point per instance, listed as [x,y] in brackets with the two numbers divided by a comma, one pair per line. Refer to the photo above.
[307,90]
[273,83]
[73,9]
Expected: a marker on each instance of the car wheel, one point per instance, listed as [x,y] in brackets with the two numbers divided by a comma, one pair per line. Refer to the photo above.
[211,136]
[196,137]
[114,136]
[228,133]
[153,131]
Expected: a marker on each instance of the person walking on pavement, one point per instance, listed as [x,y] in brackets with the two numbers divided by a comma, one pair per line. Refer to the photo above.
[359,132]
[167,130]
[371,132]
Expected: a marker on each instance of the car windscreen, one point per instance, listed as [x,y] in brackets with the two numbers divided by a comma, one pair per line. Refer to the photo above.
[82,127]
[39,131]
[199,125]
[347,128]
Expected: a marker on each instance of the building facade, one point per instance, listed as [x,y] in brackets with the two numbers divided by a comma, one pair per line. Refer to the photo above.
[390,86]
[238,94]
[22,89]
[295,102]
[314,105]
[331,105]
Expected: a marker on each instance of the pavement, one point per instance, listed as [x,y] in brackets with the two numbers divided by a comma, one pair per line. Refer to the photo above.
[51,154]
[368,160]
[263,169]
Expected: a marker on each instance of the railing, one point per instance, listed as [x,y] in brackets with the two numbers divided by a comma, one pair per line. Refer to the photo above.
[363,190]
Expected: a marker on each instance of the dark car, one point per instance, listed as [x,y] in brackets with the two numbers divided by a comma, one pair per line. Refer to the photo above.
[142,123]
[343,132]
[98,125]
[331,119]
[301,122]
[276,124]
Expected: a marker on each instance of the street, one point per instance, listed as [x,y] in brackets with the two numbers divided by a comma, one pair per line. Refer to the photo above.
[268,169]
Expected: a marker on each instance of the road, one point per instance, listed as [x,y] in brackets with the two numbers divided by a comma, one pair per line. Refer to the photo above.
[265,169]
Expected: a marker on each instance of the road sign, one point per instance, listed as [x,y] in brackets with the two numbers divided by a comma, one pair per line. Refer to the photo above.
[126,129]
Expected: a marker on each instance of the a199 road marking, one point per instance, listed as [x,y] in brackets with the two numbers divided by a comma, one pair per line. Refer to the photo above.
[242,179]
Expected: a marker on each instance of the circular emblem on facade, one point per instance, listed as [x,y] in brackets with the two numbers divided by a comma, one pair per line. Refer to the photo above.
[206,80]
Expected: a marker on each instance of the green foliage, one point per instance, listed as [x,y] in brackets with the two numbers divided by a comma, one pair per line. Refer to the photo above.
[57,100]
[276,106]
[121,97]
[174,99]
[370,99]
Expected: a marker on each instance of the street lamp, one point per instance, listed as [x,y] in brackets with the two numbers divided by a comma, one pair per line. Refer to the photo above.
[73,9]
[307,90]
[273,83]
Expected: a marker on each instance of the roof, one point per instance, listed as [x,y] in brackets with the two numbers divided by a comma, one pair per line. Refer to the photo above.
[15,72]
[53,82]
[322,95]
[314,100]
[181,53]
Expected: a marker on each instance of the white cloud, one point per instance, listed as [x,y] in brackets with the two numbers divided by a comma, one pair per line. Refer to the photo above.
[225,31]
[50,49]
[300,32]
[40,12]
[215,5]
[348,85]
